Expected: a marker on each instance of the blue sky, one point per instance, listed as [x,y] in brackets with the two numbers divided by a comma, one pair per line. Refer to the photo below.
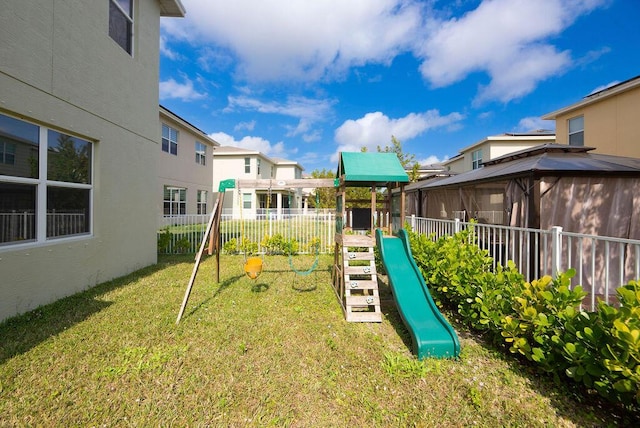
[305,79]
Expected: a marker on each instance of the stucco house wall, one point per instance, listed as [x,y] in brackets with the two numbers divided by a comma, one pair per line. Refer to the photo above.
[495,146]
[61,70]
[229,162]
[181,170]
[610,120]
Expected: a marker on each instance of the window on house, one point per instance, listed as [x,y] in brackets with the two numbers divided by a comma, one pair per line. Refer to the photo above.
[169,140]
[246,200]
[576,131]
[247,165]
[476,159]
[202,201]
[175,201]
[7,153]
[201,153]
[45,183]
[258,167]
[121,23]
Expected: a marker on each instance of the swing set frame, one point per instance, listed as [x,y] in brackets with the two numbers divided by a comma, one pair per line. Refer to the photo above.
[212,232]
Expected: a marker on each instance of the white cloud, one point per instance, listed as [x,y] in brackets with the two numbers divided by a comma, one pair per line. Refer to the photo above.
[308,111]
[534,123]
[430,160]
[250,143]
[507,39]
[375,129]
[300,40]
[603,87]
[249,126]
[166,51]
[170,89]
[295,106]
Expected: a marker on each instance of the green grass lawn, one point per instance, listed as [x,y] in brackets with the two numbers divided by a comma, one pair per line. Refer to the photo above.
[274,352]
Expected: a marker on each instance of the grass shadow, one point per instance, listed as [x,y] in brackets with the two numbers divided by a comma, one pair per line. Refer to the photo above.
[25,331]
[390,310]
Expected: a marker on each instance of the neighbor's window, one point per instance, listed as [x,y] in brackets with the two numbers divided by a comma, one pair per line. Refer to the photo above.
[169,140]
[476,159]
[576,131]
[175,201]
[258,167]
[121,23]
[7,153]
[247,165]
[201,153]
[246,200]
[45,166]
[202,202]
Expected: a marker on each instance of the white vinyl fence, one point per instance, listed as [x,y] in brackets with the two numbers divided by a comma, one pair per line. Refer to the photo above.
[185,232]
[602,264]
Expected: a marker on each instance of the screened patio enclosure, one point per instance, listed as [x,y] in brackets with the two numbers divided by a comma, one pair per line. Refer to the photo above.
[542,187]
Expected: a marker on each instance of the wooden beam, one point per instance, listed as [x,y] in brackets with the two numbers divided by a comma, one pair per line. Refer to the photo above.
[294,183]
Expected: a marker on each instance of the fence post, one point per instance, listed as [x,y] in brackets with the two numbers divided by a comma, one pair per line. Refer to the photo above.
[413,222]
[456,226]
[556,250]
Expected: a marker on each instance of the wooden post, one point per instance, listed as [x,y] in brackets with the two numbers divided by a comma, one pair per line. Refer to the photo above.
[373,209]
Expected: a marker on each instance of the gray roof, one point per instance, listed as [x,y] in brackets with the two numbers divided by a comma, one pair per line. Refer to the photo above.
[540,161]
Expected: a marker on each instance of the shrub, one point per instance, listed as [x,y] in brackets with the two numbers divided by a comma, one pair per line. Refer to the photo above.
[542,309]
[231,246]
[277,244]
[164,240]
[540,320]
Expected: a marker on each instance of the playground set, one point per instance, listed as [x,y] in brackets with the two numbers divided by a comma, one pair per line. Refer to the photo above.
[354,273]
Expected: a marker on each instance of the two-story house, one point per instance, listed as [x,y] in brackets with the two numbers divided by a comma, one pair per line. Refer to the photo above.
[605,120]
[243,164]
[494,146]
[79,141]
[185,168]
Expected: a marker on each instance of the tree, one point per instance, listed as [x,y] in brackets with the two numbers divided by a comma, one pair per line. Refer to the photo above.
[326,196]
[407,160]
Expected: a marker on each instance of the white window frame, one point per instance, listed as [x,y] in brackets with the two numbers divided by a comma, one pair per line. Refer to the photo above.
[130,19]
[579,121]
[175,199]
[202,202]
[172,144]
[42,184]
[247,165]
[258,166]
[201,153]
[476,159]
[246,201]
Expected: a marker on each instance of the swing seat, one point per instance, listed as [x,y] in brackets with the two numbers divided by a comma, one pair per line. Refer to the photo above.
[253,267]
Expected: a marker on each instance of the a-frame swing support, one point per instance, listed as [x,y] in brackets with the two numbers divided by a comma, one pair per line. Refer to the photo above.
[212,232]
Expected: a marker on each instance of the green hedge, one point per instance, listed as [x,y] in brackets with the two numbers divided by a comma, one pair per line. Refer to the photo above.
[539,320]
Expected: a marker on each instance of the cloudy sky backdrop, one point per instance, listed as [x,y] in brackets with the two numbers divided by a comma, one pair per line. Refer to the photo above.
[305,79]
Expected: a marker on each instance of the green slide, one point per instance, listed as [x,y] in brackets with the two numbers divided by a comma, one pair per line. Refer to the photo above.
[431,333]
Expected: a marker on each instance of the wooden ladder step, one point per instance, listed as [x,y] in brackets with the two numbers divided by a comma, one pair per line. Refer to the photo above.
[361,284]
[364,317]
[352,256]
[360,270]
[363,301]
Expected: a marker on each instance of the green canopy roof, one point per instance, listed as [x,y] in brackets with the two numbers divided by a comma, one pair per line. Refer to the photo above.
[363,168]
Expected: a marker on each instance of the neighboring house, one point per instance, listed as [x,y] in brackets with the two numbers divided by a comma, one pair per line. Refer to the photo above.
[243,164]
[606,120]
[185,167]
[79,144]
[473,156]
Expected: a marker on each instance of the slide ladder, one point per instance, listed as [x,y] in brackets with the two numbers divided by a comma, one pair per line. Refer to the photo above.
[358,290]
